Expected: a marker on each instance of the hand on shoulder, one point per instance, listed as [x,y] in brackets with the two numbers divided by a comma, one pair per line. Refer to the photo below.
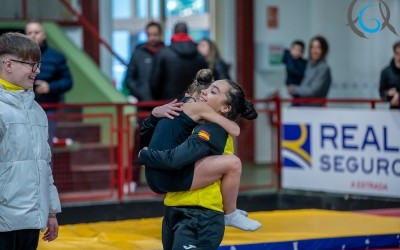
[168,110]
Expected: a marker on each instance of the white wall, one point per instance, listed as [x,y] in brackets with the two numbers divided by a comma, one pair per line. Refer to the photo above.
[291,25]
[225,31]
[355,62]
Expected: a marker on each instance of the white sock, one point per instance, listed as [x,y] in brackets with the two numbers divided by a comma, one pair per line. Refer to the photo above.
[238,220]
[243,212]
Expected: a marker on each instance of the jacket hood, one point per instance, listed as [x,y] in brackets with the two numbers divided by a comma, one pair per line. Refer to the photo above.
[184,49]
[21,99]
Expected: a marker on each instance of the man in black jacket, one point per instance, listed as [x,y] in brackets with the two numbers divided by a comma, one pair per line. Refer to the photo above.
[139,68]
[176,65]
[389,87]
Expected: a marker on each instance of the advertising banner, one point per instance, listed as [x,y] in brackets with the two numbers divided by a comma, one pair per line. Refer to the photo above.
[351,151]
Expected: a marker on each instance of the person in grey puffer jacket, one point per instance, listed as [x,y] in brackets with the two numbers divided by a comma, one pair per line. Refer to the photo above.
[317,77]
[29,200]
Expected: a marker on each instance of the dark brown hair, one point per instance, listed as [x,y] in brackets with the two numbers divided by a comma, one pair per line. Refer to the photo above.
[154,24]
[181,27]
[300,43]
[20,46]
[239,105]
[395,46]
[324,45]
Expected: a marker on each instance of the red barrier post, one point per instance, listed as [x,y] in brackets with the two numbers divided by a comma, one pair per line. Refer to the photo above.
[120,150]
[278,130]
[24,9]
[373,104]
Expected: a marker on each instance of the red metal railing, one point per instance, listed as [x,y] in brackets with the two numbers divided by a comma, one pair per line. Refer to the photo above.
[95,33]
[119,129]
[66,171]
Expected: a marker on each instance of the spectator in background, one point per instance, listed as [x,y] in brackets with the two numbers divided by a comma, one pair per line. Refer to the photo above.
[389,87]
[176,65]
[54,79]
[317,77]
[29,200]
[139,69]
[295,64]
[137,86]
[209,50]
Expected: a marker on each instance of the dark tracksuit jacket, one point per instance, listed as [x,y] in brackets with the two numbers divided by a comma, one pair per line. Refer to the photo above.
[172,170]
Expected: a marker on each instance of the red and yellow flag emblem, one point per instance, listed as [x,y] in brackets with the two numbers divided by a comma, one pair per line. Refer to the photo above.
[204,135]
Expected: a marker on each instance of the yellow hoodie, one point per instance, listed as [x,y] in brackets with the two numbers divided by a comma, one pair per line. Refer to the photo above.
[9,86]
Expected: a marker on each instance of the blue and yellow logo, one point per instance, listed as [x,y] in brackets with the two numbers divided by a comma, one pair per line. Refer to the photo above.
[296,146]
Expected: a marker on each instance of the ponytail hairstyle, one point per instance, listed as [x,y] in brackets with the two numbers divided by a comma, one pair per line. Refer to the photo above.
[203,80]
[239,105]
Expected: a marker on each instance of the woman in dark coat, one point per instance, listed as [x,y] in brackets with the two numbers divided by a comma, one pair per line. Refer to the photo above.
[209,50]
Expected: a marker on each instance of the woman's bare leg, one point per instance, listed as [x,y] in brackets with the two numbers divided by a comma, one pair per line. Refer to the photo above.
[228,168]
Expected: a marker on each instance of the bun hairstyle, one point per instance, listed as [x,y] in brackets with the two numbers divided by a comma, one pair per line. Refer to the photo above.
[249,112]
[203,80]
[239,105]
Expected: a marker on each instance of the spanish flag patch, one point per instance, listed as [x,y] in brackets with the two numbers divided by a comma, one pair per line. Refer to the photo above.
[204,135]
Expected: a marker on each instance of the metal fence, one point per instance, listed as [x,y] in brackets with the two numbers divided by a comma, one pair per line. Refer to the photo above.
[96,147]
